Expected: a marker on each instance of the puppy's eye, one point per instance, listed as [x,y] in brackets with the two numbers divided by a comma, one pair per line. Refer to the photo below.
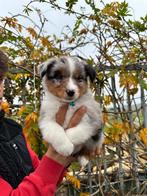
[80,78]
[58,76]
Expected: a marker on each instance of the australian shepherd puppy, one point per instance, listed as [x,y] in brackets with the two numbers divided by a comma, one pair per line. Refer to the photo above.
[65,80]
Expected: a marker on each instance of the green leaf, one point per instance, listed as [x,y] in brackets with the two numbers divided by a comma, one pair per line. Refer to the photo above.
[77,25]
[143,84]
[123,10]
[71,3]
[27,10]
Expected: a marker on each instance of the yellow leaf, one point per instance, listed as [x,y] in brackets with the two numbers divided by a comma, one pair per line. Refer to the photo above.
[128,80]
[6,107]
[19,75]
[19,27]
[108,141]
[45,42]
[111,9]
[107,99]
[28,43]
[95,17]
[35,54]
[21,110]
[84,194]
[32,32]
[114,23]
[143,135]
[116,130]
[12,22]
[105,117]
[109,58]
[31,118]
[73,180]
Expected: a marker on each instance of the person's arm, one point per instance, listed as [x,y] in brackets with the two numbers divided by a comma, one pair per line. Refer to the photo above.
[41,182]
[44,180]
[48,172]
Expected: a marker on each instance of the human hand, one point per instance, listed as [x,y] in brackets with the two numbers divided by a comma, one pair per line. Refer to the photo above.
[63,160]
[90,154]
[76,118]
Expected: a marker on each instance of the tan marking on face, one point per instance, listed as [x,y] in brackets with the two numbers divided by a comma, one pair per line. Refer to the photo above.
[58,83]
[58,90]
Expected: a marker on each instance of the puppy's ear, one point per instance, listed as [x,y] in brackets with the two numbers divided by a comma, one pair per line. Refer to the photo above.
[45,67]
[42,69]
[90,72]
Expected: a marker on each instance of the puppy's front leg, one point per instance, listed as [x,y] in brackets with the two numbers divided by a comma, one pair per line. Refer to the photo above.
[55,135]
[80,134]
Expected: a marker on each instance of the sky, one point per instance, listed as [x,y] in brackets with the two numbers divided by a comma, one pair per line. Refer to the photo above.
[56,19]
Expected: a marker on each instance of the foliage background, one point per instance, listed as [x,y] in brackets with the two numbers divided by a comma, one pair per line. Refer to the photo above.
[119,55]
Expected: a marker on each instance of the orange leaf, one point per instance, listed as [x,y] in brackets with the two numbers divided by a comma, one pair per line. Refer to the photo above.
[6,107]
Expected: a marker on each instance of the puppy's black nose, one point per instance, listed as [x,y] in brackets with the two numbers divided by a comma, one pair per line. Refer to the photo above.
[70,93]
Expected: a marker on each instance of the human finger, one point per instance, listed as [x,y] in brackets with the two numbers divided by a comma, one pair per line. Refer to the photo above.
[60,116]
[76,118]
[94,152]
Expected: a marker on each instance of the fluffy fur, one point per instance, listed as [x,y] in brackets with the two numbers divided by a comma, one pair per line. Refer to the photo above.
[65,79]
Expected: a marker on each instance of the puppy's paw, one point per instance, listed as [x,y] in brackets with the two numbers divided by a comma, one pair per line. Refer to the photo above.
[66,149]
[71,136]
[75,136]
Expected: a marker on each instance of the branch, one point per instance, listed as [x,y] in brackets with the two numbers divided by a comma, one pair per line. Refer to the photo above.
[130,67]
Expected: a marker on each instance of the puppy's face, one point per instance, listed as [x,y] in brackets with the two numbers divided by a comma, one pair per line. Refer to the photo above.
[66,77]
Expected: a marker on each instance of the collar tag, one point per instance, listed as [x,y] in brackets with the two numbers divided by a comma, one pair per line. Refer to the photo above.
[72,103]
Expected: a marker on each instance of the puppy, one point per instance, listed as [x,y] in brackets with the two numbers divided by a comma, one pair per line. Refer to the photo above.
[65,80]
